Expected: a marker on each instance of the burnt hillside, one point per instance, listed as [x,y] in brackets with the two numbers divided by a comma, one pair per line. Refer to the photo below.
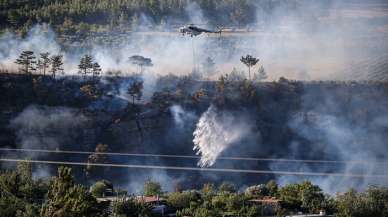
[284,119]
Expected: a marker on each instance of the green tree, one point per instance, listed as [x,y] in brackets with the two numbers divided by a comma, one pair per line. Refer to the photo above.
[272,188]
[27,62]
[20,195]
[96,69]
[257,191]
[65,199]
[249,61]
[289,194]
[227,187]
[44,62]
[13,17]
[152,188]
[181,200]
[100,188]
[311,196]
[68,26]
[303,196]
[349,204]
[373,202]
[56,64]
[86,65]
[377,200]
[130,207]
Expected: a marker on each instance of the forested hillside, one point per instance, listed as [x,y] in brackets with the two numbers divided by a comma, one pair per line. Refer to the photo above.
[75,15]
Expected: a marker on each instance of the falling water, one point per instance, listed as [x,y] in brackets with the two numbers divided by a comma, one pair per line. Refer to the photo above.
[214,133]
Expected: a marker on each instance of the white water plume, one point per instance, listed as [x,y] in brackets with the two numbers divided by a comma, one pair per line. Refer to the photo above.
[214,133]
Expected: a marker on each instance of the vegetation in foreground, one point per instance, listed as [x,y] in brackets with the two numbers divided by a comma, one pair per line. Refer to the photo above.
[60,196]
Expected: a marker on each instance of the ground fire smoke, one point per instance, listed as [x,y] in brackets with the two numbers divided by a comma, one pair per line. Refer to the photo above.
[46,127]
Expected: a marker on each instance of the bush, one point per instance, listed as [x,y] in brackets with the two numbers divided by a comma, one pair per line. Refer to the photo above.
[123,207]
[152,188]
[100,188]
[182,200]
[227,187]
[373,202]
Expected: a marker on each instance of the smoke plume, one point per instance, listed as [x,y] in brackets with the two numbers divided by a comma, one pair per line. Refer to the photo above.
[42,127]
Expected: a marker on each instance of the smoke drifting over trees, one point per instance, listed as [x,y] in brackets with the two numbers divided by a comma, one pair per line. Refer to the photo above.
[318,37]
[163,110]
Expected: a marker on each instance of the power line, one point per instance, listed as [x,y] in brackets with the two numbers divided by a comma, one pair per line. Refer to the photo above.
[191,156]
[135,166]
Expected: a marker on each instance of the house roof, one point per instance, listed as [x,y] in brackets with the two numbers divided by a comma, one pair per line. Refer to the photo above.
[269,200]
[149,199]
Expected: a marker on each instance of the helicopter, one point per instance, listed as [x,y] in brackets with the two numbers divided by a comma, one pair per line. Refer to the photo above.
[193,30]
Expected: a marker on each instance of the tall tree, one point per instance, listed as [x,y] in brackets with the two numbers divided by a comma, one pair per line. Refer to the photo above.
[249,61]
[27,62]
[67,199]
[96,69]
[56,64]
[141,62]
[86,65]
[13,17]
[44,62]
[152,188]
[20,195]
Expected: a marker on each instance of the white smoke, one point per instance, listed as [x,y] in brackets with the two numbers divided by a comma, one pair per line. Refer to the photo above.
[39,39]
[216,132]
[136,184]
[342,140]
[43,127]
[181,116]
[318,38]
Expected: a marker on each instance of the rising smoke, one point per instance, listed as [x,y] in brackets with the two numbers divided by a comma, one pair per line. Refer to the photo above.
[314,38]
[181,117]
[334,135]
[289,42]
[42,127]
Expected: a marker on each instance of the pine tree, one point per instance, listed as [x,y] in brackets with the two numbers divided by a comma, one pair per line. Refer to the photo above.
[67,199]
[56,64]
[27,62]
[249,61]
[13,17]
[96,69]
[43,62]
[141,62]
[86,65]
[260,75]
